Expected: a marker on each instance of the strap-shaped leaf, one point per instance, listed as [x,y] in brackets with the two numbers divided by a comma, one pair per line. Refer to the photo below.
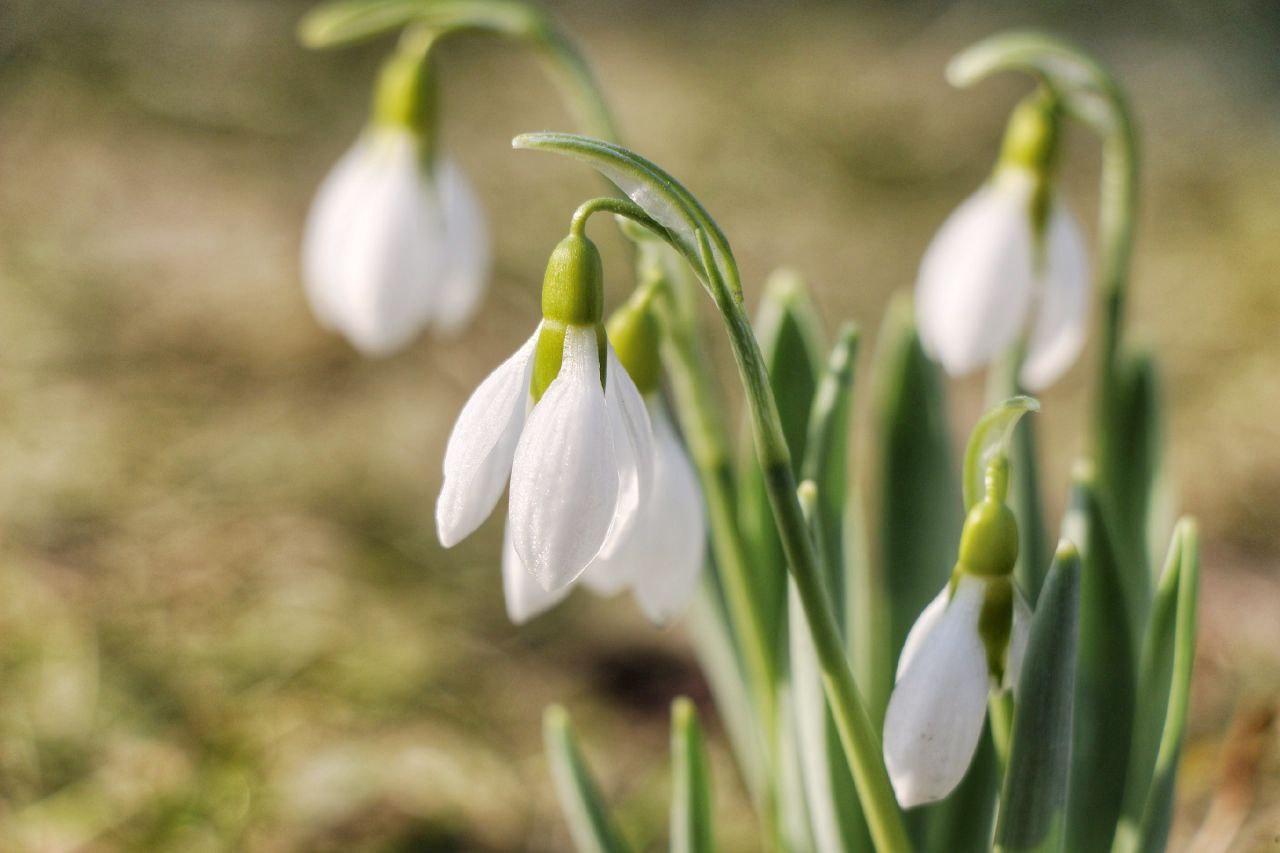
[349,21]
[1034,801]
[1163,696]
[790,338]
[691,825]
[713,643]
[658,194]
[590,825]
[919,505]
[992,437]
[1105,676]
[826,458]
[835,818]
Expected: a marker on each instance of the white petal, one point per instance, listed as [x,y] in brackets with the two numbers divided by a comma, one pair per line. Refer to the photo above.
[478,457]
[677,546]
[1062,318]
[336,202]
[1018,637]
[564,483]
[924,625]
[661,552]
[463,284]
[524,595]
[974,288]
[936,712]
[632,437]
[388,248]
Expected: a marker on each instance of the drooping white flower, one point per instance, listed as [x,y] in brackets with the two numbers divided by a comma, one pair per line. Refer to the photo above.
[983,283]
[939,701]
[393,244]
[579,459]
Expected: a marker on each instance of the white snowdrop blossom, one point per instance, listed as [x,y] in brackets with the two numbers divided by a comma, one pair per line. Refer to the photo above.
[970,640]
[939,701]
[394,244]
[982,284]
[573,439]
[1009,265]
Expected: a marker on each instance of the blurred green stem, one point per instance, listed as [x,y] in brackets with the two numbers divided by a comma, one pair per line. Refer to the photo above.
[347,21]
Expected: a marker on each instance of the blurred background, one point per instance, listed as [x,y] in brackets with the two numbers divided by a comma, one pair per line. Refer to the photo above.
[225,621]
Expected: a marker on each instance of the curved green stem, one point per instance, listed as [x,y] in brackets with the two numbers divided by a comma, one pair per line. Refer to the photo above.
[616,206]
[857,734]
[348,21]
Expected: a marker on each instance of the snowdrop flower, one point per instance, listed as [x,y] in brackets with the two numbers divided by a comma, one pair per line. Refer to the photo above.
[1009,266]
[564,422]
[395,240]
[970,640]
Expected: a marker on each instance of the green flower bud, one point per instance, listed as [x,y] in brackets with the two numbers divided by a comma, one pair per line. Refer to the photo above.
[636,338]
[572,295]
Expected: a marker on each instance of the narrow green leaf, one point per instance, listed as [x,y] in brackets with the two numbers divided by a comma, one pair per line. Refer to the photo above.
[349,21]
[1034,800]
[714,645]
[833,811]
[658,194]
[791,342]
[1105,676]
[1163,696]
[826,459]
[590,825]
[691,826]
[1129,471]
[919,501]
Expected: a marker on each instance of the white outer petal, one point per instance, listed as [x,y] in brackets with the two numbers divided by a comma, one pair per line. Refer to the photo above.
[1062,319]
[478,457]
[935,714]
[679,540]
[379,256]
[1018,636]
[564,482]
[924,624]
[633,442]
[974,287]
[524,596]
[339,195]
[469,250]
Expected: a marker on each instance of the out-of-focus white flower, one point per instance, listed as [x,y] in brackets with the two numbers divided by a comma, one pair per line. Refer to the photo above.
[579,455]
[980,287]
[394,245]
[939,700]
[1009,264]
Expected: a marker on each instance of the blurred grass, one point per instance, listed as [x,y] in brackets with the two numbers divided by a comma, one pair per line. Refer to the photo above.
[224,619]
